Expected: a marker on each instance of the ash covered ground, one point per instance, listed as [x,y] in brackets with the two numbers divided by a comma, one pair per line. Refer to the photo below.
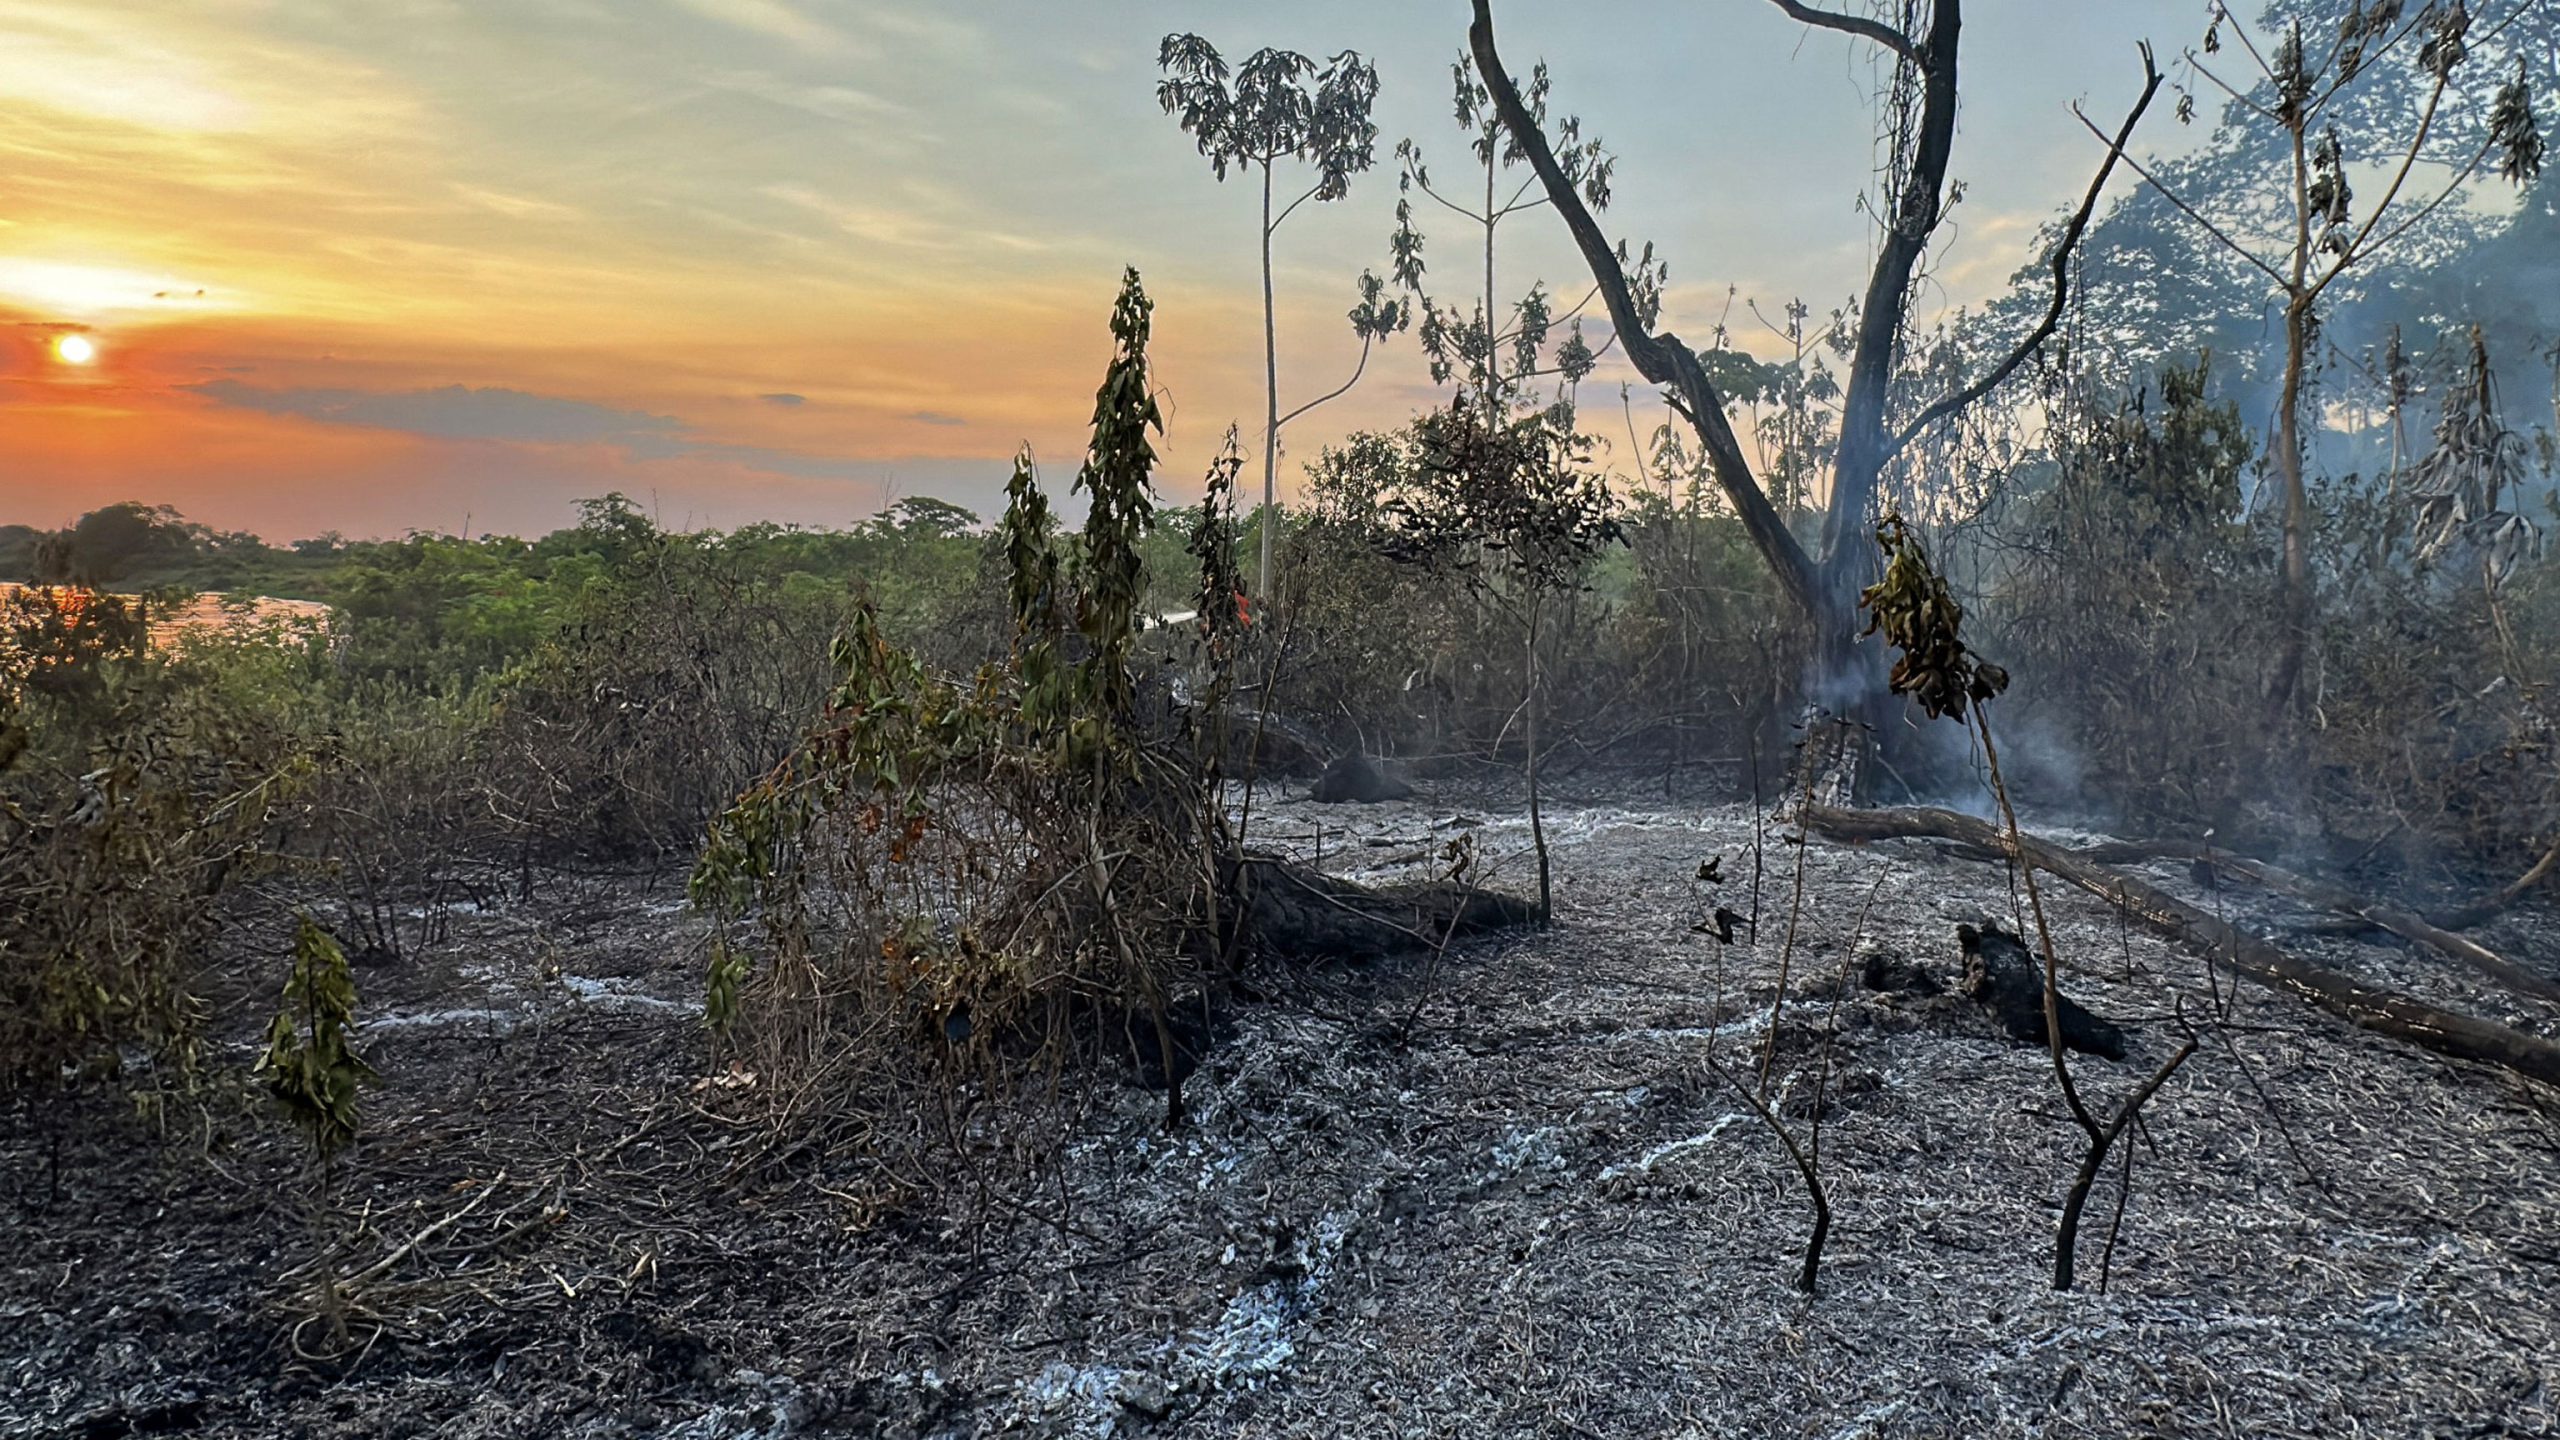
[1533,1210]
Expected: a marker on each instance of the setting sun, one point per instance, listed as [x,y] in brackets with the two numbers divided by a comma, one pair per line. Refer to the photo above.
[75,349]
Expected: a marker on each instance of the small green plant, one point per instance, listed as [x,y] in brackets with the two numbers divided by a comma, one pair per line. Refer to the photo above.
[135,788]
[310,1065]
[1514,513]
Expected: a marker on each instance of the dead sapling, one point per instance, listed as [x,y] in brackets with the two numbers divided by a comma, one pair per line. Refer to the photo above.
[1807,1158]
[1917,614]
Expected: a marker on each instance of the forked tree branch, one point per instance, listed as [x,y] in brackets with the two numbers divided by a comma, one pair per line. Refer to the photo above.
[2183,208]
[1366,343]
[1662,359]
[1865,29]
[2062,253]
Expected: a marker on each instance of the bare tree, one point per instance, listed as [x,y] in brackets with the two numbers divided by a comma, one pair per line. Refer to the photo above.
[1876,422]
[1252,118]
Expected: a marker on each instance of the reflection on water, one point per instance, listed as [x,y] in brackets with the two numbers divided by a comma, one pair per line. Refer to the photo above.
[209,613]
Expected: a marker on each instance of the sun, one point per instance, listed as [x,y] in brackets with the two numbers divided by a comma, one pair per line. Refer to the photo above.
[75,350]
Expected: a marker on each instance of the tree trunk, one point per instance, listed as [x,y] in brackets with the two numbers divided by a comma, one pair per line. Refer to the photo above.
[1492,372]
[1859,460]
[1537,820]
[2294,638]
[2294,623]
[1271,394]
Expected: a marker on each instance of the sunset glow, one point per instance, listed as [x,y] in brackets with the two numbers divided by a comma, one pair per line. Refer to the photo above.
[782,260]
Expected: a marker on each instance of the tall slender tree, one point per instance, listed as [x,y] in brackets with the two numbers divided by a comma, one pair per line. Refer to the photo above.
[1280,106]
[1500,348]
[2294,84]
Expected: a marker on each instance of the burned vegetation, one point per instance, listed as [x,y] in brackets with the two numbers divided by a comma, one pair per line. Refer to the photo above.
[1994,881]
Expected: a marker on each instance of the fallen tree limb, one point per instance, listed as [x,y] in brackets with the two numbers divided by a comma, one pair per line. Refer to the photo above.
[2385,1012]
[2408,926]
[2491,905]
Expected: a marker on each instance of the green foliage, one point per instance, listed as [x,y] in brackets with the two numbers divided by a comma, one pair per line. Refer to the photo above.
[948,870]
[2134,603]
[1111,576]
[1224,610]
[309,1064]
[1263,110]
[1497,348]
[135,788]
[1512,510]
[1406,635]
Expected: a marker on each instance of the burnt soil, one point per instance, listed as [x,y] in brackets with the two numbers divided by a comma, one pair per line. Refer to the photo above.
[1516,1192]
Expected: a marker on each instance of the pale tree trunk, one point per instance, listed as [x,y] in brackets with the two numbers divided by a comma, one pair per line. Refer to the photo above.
[1492,377]
[2294,624]
[1537,818]
[2284,688]
[1271,396]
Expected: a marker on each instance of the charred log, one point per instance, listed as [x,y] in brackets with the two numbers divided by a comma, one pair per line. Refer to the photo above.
[2385,1012]
[1289,912]
[2408,926]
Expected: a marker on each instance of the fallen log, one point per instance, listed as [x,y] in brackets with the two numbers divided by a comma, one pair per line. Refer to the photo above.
[2408,926]
[2385,1012]
[1292,912]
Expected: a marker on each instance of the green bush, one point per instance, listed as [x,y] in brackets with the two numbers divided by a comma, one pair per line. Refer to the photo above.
[134,789]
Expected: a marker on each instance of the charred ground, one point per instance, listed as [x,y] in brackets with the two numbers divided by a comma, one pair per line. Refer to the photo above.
[1531,1210]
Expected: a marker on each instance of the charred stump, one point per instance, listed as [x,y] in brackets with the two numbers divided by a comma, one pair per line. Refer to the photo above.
[1361,780]
[2001,975]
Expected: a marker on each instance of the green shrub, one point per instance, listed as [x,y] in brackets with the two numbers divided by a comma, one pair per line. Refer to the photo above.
[134,789]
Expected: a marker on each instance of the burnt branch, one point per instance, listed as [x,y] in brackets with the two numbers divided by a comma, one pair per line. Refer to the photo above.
[2384,1012]
[1859,26]
[2063,251]
[1661,358]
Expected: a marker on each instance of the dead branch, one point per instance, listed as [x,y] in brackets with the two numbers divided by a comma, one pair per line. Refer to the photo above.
[2064,249]
[2385,1012]
[385,1265]
[1875,30]
[2493,904]
[2067,1237]
[2406,925]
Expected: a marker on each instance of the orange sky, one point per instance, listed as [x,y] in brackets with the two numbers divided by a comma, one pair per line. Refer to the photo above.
[406,263]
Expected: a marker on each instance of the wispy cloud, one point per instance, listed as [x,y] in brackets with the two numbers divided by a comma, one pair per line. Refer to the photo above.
[772,19]
[917,227]
[456,412]
[517,417]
